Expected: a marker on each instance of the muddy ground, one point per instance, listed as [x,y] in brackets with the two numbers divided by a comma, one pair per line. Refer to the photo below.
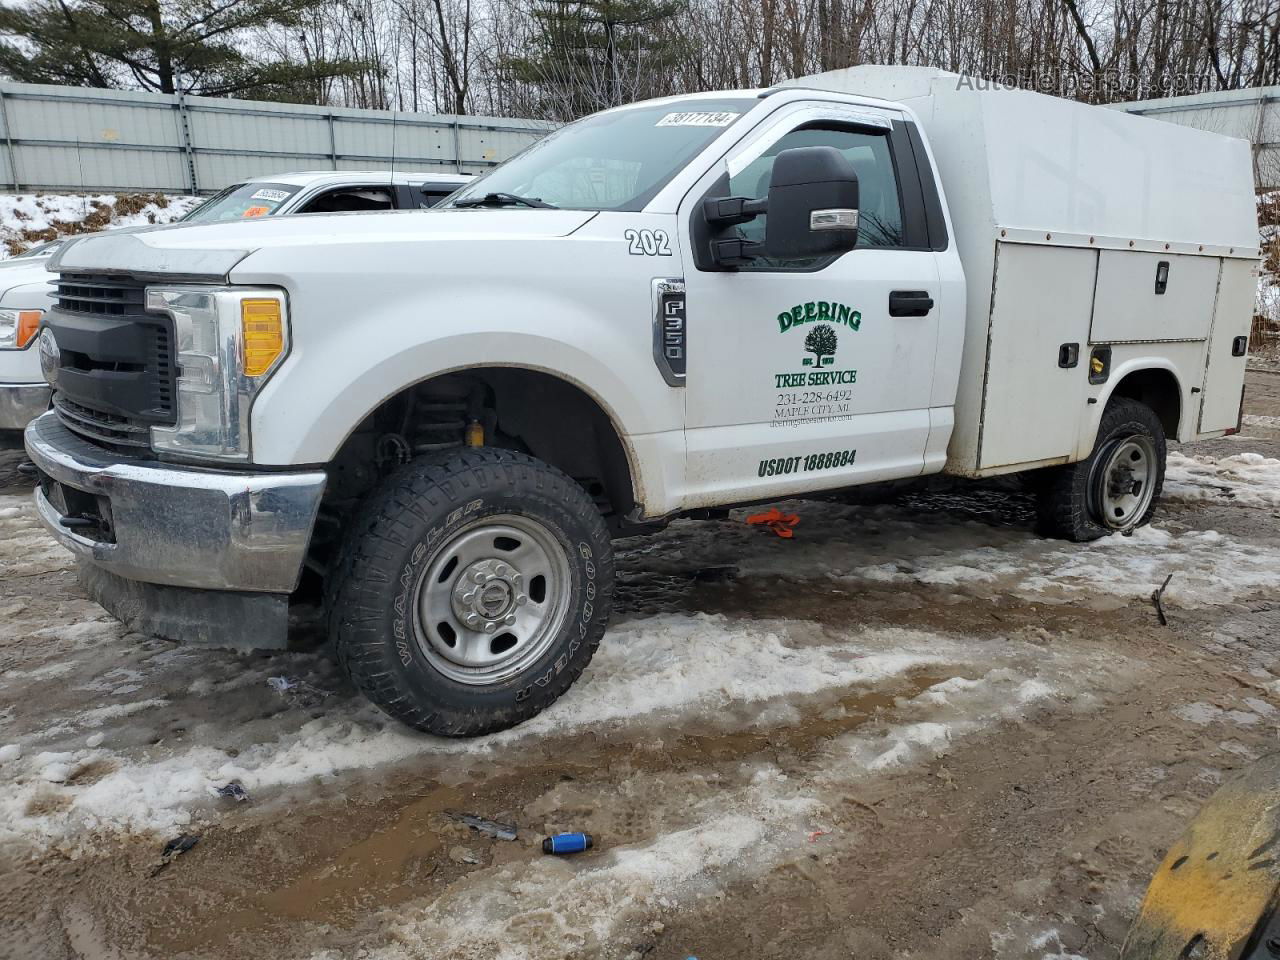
[915,730]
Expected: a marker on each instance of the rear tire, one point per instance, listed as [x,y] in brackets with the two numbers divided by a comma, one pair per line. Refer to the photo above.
[1116,488]
[472,591]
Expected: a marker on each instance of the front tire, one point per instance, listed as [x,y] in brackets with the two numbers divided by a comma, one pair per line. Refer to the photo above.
[1115,489]
[473,591]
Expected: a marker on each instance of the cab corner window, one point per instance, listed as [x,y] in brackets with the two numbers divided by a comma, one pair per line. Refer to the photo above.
[879,204]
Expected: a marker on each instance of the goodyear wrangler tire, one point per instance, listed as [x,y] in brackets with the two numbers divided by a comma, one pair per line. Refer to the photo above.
[1114,490]
[473,591]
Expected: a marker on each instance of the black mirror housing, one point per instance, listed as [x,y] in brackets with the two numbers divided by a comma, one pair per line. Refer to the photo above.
[813,205]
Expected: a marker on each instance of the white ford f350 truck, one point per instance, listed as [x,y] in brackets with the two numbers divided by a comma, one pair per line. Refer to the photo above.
[676,305]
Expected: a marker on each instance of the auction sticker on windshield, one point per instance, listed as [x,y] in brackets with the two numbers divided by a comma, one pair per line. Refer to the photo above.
[275,196]
[698,119]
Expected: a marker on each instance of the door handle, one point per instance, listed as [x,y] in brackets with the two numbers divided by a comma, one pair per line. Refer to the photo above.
[910,303]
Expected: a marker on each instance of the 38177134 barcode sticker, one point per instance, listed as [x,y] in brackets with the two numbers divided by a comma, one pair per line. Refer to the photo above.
[697,119]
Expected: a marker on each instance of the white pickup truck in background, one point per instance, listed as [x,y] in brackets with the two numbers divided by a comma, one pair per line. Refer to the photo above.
[442,419]
[26,287]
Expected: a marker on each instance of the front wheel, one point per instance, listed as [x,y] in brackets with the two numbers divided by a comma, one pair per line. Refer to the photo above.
[1115,489]
[473,592]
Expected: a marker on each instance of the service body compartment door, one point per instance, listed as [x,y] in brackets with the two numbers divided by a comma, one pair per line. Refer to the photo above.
[1033,404]
[1224,371]
[1153,296]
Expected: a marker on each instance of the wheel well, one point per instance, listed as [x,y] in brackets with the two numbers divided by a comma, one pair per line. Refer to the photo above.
[525,410]
[1159,390]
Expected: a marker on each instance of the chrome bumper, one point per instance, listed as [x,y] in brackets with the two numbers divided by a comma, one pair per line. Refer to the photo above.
[176,526]
[20,403]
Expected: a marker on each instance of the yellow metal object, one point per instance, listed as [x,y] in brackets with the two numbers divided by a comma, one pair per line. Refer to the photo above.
[1096,365]
[263,326]
[1221,877]
[475,434]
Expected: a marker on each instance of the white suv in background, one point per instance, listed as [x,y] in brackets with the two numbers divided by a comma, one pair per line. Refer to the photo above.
[25,290]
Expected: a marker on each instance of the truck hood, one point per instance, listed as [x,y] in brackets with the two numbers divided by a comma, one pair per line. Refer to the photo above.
[25,283]
[210,251]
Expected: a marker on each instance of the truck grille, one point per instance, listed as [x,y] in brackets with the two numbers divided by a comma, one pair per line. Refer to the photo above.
[117,374]
[106,296]
[103,427]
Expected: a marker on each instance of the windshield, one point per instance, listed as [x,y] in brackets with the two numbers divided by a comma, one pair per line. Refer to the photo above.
[611,161]
[41,250]
[244,201]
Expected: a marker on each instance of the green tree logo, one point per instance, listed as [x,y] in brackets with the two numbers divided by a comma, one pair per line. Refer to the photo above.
[821,342]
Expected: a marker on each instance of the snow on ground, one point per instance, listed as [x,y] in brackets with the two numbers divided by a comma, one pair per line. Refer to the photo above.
[28,219]
[892,544]
[119,732]
[550,908]
[664,672]
[1246,478]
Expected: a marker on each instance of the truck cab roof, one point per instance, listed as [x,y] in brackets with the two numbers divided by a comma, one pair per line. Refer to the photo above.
[313,178]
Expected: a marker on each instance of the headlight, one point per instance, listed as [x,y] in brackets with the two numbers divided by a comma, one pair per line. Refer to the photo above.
[228,341]
[18,328]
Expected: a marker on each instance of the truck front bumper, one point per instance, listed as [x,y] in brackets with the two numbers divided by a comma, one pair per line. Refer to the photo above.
[20,403]
[157,541]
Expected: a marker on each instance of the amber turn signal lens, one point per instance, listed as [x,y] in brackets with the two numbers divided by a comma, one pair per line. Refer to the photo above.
[263,328]
[28,324]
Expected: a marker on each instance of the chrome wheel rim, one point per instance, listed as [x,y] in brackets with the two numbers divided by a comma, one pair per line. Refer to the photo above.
[492,599]
[1124,482]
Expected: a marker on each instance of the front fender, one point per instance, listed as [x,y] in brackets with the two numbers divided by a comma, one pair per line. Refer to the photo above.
[326,389]
[369,318]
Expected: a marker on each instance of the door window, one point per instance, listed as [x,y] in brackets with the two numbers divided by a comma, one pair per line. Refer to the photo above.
[879,203]
[349,199]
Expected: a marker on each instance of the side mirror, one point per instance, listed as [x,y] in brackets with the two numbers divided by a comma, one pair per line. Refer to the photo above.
[813,205]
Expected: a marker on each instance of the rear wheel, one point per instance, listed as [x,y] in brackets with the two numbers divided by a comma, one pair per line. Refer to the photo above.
[1116,488]
[473,592]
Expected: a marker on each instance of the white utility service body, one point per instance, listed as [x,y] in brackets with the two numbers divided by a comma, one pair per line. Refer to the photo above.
[1063,214]
[663,302]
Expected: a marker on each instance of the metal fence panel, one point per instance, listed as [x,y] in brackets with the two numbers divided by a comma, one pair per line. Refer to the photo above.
[1252,115]
[73,138]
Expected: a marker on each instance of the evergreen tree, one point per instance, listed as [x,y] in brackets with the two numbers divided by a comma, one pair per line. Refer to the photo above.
[196,46]
[588,55]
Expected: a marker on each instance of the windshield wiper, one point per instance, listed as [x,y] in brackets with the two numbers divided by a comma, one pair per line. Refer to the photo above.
[502,200]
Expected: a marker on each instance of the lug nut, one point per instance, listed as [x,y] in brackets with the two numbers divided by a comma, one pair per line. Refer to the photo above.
[502,570]
[521,599]
[472,620]
[490,627]
[509,619]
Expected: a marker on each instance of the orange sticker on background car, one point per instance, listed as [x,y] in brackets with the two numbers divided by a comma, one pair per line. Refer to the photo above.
[256,212]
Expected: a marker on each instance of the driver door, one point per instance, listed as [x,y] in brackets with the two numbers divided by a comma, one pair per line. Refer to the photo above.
[798,376]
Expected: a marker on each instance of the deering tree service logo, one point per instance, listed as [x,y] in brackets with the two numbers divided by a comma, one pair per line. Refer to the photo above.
[821,342]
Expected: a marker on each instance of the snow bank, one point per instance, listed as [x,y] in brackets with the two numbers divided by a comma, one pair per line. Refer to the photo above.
[1247,478]
[28,219]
